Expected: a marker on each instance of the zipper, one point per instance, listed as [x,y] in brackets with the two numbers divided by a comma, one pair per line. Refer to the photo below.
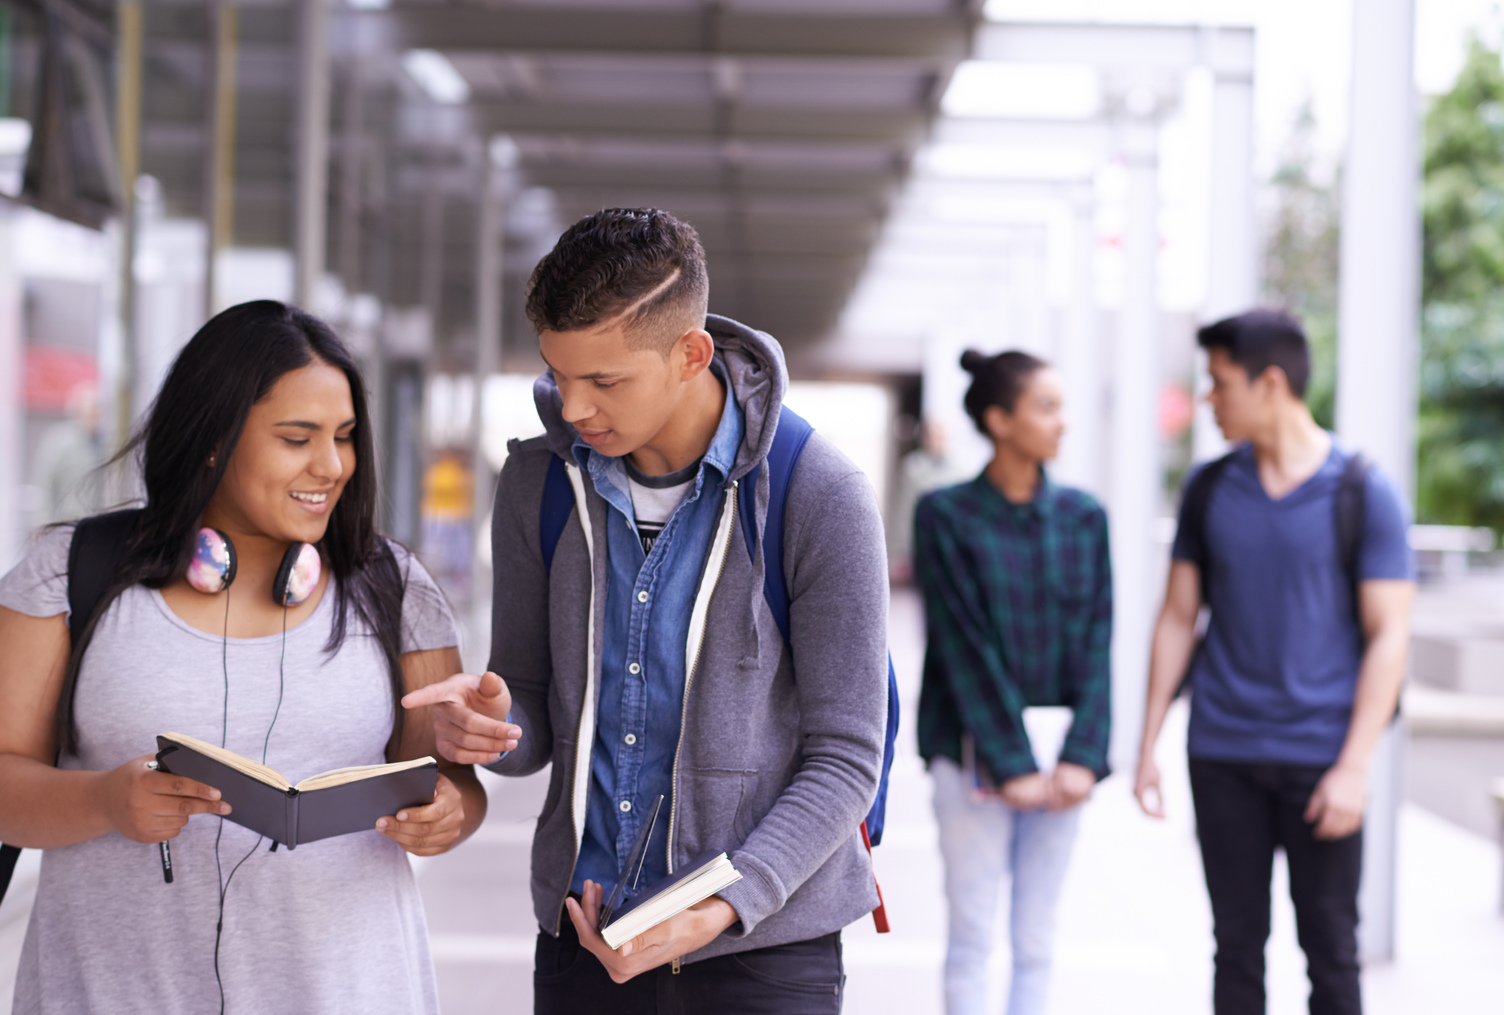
[728,527]
[587,707]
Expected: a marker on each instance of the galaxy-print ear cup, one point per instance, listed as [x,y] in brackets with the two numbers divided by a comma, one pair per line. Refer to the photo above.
[212,568]
[297,576]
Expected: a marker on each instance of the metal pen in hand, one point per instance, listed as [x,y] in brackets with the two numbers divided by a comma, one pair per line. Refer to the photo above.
[162,847]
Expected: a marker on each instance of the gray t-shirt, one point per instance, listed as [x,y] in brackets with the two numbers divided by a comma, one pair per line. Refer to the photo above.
[334,925]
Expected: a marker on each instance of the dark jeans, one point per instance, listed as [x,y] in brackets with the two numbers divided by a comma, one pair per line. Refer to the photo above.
[1243,813]
[802,978]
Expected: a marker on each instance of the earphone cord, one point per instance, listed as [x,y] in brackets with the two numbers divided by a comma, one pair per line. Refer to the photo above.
[219,874]
[280,683]
[224,663]
[219,927]
[224,890]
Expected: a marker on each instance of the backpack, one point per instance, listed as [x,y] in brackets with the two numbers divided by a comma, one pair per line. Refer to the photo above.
[1348,508]
[93,554]
[788,444]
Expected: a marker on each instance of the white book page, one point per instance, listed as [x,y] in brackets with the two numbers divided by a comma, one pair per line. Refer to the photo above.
[1047,727]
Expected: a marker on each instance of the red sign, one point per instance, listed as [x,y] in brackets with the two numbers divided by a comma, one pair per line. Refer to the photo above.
[52,375]
[1177,410]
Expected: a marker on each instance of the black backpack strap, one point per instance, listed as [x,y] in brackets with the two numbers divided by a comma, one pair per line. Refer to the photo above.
[8,857]
[97,546]
[1350,507]
[1352,498]
[1196,502]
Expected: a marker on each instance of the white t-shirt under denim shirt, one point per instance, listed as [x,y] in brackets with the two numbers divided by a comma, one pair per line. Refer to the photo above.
[655,498]
[334,925]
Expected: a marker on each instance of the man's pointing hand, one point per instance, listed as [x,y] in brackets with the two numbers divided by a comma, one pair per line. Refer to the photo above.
[470,713]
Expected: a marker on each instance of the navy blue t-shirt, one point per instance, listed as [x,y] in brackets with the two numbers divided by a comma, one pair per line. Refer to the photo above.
[1276,679]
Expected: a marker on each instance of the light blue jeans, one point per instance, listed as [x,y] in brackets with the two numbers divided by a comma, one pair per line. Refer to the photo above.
[980,840]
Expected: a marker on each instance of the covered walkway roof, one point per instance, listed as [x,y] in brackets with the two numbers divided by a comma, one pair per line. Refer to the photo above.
[782,130]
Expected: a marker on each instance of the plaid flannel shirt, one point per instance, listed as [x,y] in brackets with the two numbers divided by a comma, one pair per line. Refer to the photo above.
[1018,606]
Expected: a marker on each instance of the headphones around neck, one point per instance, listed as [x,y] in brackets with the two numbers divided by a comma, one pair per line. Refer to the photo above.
[212,568]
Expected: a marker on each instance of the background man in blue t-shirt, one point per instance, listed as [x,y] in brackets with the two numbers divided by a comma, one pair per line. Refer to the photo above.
[1299,672]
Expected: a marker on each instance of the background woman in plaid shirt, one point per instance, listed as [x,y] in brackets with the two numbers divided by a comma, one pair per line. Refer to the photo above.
[1018,604]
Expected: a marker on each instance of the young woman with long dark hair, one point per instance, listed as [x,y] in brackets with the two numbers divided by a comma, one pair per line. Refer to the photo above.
[260,431]
[1018,604]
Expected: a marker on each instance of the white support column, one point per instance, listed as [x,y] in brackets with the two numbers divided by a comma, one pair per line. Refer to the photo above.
[1081,459]
[1379,290]
[313,152]
[1232,284]
[1378,316]
[1136,473]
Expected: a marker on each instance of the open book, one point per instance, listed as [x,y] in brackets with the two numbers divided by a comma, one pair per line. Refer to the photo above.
[330,803]
[701,878]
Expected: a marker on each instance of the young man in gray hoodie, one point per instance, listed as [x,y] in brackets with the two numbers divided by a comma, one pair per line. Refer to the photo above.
[643,658]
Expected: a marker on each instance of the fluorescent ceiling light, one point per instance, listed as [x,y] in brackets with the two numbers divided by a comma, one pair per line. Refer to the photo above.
[433,73]
[1026,91]
[369,5]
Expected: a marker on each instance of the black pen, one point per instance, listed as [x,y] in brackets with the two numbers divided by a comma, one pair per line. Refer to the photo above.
[162,846]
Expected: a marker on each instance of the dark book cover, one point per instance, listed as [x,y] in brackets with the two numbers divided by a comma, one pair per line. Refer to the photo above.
[664,884]
[291,817]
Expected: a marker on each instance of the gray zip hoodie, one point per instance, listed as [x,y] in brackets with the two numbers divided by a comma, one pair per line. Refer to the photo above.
[778,757]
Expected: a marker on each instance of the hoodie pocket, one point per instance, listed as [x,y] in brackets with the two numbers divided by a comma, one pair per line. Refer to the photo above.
[714,810]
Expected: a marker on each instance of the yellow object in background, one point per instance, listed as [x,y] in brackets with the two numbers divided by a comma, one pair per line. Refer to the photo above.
[448,490]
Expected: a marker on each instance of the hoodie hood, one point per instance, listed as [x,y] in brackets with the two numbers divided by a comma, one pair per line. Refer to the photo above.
[755,371]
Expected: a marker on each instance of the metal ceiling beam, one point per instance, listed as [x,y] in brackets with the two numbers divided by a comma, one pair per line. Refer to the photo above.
[716,30]
[900,127]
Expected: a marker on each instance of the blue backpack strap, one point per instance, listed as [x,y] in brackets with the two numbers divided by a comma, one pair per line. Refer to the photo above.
[788,444]
[553,513]
[878,814]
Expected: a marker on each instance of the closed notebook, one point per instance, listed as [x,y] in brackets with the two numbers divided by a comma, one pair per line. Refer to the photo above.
[324,805]
[698,880]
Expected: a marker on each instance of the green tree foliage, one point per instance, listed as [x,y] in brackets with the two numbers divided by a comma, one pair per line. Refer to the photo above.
[1460,474]
[1300,258]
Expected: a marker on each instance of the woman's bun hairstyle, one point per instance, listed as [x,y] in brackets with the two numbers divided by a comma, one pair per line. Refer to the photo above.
[974,362]
[996,380]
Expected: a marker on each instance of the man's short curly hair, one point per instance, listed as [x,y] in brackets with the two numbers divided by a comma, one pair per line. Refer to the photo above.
[639,264]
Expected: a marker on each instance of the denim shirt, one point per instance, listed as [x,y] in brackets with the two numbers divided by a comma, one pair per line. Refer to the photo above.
[649,599]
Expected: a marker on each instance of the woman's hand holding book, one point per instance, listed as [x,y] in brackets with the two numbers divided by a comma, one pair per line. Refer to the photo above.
[431,829]
[145,805]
